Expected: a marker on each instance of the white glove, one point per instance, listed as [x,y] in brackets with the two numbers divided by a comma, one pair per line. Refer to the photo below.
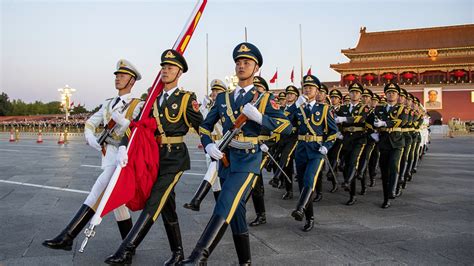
[252,113]
[375,136]
[91,140]
[120,119]
[301,100]
[380,123]
[122,156]
[206,100]
[339,135]
[340,119]
[214,152]
[264,147]
[323,150]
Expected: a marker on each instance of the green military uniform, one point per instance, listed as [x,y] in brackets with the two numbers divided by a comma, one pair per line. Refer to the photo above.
[354,141]
[175,111]
[389,119]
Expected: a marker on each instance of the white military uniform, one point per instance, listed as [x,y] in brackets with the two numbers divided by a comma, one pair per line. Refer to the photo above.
[122,104]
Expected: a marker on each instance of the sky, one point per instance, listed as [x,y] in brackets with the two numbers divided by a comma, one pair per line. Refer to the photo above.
[47,44]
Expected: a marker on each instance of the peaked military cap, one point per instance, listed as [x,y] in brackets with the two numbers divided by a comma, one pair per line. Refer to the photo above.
[324,88]
[259,81]
[383,99]
[347,97]
[416,100]
[172,57]
[403,92]
[376,97]
[124,66]
[310,80]
[391,87]
[292,89]
[218,85]
[336,93]
[410,96]
[367,92]
[282,95]
[248,50]
[356,86]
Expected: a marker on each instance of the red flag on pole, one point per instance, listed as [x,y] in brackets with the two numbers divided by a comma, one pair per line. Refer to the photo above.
[292,76]
[275,77]
[309,71]
[132,184]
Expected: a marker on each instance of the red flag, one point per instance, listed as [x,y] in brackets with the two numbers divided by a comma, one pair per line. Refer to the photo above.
[275,77]
[309,71]
[292,76]
[72,104]
[134,182]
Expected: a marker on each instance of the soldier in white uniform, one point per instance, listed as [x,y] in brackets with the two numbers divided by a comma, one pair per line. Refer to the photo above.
[121,109]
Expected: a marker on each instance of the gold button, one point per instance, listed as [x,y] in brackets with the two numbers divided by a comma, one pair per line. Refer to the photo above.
[253,150]
[236,112]
[161,115]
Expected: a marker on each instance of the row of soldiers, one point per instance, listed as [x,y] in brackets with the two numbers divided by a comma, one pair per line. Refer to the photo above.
[75,123]
[241,131]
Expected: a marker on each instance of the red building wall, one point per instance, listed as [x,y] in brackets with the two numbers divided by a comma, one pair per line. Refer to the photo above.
[455,104]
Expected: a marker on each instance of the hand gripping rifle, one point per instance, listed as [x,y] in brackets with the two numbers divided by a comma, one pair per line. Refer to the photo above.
[236,128]
[109,128]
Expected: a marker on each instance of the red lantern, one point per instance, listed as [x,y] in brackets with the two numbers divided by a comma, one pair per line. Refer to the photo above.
[369,77]
[459,73]
[349,77]
[408,75]
[388,76]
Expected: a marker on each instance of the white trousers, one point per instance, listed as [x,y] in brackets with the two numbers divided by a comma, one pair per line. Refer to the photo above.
[122,212]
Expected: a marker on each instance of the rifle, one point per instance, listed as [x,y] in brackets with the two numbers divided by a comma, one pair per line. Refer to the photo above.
[236,128]
[109,128]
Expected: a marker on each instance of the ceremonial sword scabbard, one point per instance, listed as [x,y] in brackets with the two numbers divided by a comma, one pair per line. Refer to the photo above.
[89,232]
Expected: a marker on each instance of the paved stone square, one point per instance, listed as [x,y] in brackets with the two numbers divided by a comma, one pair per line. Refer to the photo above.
[432,223]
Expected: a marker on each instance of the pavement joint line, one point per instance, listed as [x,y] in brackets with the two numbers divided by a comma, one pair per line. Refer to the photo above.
[43,186]
[10,150]
[461,155]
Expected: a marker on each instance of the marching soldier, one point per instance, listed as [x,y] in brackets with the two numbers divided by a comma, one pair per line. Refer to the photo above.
[335,151]
[419,115]
[367,96]
[321,98]
[217,87]
[175,112]
[374,157]
[121,109]
[265,137]
[352,119]
[244,164]
[282,99]
[347,99]
[406,133]
[389,119]
[316,134]
[288,147]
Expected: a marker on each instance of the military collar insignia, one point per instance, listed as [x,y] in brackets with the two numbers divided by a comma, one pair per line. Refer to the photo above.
[243,48]
[169,54]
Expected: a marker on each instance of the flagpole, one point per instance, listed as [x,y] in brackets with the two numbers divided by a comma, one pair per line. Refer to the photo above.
[277,79]
[207,64]
[301,53]
[245,34]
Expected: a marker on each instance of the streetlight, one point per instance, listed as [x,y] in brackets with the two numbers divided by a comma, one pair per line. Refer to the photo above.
[66,93]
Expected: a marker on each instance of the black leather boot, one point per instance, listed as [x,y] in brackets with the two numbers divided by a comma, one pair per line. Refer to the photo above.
[242,246]
[363,187]
[303,200]
[213,233]
[318,197]
[66,238]
[261,219]
[308,226]
[216,194]
[372,182]
[126,250]
[200,194]
[176,245]
[124,227]
[352,200]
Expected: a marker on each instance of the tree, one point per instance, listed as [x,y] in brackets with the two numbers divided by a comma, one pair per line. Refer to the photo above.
[79,109]
[5,105]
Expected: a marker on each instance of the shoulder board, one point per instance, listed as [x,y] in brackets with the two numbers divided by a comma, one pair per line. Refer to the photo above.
[108,99]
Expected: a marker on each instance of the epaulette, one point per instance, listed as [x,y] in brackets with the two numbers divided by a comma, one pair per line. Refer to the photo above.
[109,98]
